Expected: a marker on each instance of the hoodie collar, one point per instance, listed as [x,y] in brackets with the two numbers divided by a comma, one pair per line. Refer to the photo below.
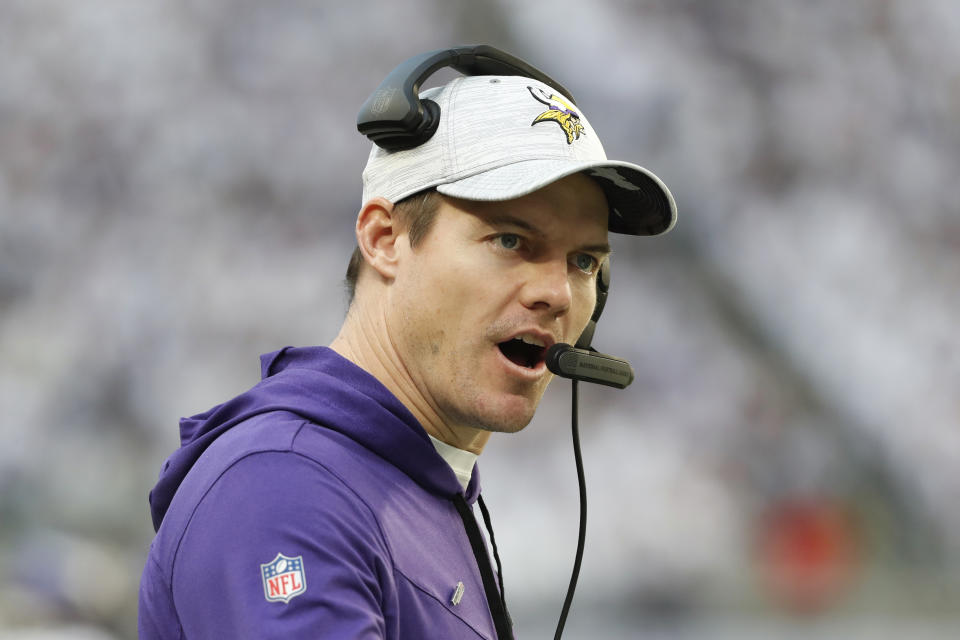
[329,390]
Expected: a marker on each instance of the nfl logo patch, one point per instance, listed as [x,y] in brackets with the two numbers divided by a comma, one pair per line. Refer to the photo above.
[283,578]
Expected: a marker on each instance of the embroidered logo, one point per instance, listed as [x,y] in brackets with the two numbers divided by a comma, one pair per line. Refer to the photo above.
[283,578]
[558,111]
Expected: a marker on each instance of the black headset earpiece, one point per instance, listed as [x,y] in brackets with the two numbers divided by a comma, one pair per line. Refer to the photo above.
[395,118]
[603,289]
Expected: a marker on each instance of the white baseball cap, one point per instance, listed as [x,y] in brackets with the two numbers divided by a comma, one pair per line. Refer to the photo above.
[502,137]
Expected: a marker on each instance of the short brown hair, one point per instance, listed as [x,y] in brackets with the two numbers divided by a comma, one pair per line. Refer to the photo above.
[416,213]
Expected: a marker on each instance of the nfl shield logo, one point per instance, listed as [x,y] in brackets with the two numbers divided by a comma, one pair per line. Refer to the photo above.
[283,578]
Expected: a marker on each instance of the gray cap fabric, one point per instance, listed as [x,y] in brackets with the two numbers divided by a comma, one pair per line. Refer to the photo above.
[502,137]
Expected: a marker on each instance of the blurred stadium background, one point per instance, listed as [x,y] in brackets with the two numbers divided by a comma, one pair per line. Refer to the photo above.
[178,182]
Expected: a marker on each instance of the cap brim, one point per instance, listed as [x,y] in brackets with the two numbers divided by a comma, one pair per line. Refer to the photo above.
[640,204]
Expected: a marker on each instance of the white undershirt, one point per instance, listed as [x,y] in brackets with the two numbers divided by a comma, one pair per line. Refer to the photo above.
[459,460]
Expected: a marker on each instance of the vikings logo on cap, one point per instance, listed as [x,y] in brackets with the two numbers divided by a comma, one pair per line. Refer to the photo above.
[558,111]
[283,578]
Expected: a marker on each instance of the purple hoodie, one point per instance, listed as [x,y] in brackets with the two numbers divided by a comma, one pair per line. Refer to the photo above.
[311,506]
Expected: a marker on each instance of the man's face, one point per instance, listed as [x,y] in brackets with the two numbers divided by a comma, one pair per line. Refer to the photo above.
[475,305]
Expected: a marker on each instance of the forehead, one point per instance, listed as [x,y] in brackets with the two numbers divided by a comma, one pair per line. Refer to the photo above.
[573,208]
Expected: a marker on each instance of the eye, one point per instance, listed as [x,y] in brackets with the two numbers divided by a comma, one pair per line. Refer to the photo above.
[585,262]
[509,241]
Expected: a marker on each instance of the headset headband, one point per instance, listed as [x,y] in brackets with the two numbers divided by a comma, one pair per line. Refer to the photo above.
[395,118]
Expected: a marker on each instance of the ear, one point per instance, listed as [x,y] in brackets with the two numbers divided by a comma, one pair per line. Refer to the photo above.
[377,234]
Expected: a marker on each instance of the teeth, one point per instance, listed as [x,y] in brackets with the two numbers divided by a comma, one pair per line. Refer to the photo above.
[528,339]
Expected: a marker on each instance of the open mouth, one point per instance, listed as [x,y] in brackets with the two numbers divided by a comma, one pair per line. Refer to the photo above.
[524,351]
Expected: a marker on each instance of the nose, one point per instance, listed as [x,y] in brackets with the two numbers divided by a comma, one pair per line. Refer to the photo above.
[547,287]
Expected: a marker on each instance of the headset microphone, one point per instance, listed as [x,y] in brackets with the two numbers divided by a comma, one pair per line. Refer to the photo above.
[589,366]
[583,362]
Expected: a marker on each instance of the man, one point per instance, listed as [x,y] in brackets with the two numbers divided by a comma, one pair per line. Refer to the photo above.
[334,499]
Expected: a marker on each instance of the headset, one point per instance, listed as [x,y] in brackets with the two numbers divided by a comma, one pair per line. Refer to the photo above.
[582,361]
[395,118]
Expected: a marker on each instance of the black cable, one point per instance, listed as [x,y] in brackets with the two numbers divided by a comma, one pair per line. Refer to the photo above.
[500,620]
[496,554]
[583,515]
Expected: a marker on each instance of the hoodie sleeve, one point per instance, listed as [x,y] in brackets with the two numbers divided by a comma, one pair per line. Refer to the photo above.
[279,547]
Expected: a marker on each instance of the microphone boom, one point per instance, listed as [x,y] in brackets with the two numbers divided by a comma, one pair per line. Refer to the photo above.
[589,366]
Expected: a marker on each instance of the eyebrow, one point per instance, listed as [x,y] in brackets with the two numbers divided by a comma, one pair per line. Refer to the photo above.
[603,249]
[501,219]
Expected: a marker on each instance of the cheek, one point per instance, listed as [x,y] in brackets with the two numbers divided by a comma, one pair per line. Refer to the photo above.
[465,286]
[588,300]
[443,297]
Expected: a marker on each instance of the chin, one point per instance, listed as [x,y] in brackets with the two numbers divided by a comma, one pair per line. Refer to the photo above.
[508,416]
[502,427]
[492,405]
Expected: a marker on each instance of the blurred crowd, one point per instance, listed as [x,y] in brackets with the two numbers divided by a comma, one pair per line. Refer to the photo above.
[178,184]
